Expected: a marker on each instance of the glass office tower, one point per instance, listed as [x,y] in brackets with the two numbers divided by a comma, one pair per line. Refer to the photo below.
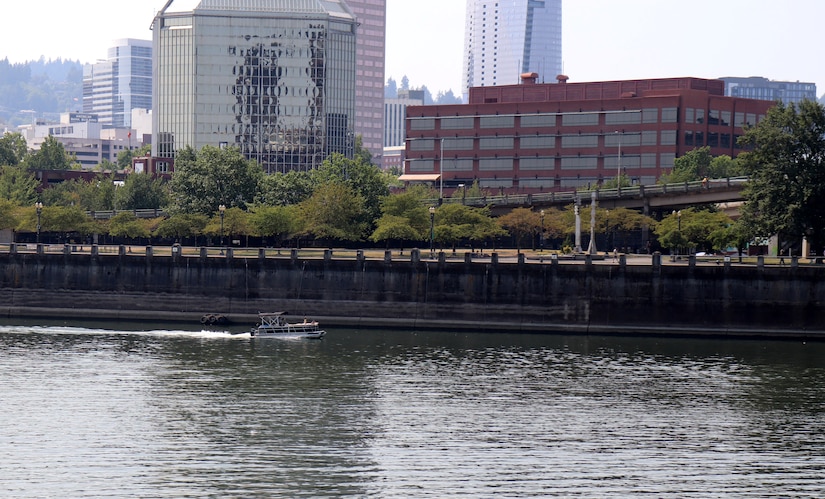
[122,82]
[275,78]
[502,40]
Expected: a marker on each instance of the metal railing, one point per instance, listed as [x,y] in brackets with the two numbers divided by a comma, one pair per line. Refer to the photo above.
[568,197]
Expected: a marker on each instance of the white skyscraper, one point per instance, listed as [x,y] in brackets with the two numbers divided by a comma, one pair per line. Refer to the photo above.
[122,82]
[505,38]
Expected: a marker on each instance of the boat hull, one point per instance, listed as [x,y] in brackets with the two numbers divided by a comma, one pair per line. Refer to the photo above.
[312,334]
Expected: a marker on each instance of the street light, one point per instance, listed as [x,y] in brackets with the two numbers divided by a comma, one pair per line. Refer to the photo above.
[432,229]
[541,235]
[38,207]
[222,212]
[463,192]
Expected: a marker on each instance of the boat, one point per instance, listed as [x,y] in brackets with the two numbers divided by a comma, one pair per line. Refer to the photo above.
[275,325]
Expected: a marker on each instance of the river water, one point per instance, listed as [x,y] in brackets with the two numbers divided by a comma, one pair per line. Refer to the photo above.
[100,411]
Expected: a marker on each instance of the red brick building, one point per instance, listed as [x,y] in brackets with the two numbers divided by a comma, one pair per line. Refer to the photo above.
[542,137]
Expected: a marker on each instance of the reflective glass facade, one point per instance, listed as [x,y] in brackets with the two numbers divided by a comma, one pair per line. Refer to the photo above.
[274,77]
[502,40]
[756,87]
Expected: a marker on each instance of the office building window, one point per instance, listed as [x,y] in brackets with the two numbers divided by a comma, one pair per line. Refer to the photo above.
[580,119]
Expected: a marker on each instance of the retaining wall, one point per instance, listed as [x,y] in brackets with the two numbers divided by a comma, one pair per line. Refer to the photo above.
[576,297]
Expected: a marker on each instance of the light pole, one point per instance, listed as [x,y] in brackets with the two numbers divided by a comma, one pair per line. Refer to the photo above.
[607,227]
[678,229]
[38,207]
[463,193]
[222,212]
[432,230]
[541,235]
[441,172]
[619,163]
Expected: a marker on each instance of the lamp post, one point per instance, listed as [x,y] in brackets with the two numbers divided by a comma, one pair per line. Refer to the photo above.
[541,234]
[432,230]
[222,212]
[38,207]
[463,193]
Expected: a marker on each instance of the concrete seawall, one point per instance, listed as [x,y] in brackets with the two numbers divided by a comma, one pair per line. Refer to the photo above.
[573,297]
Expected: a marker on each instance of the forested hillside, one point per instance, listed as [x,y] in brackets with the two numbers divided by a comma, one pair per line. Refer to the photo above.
[41,86]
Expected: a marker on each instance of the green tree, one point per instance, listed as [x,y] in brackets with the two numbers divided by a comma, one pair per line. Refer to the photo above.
[724,166]
[278,222]
[693,229]
[456,222]
[60,219]
[334,211]
[51,156]
[141,191]
[106,166]
[283,189]
[8,215]
[521,223]
[18,185]
[125,224]
[182,225]
[213,177]
[786,191]
[13,149]
[98,194]
[364,179]
[404,216]
[235,223]
[692,166]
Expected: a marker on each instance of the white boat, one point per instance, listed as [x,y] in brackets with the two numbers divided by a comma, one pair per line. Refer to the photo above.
[275,325]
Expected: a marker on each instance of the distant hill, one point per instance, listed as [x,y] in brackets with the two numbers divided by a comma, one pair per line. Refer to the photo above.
[45,87]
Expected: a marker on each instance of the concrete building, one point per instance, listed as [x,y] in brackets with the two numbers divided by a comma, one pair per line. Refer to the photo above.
[538,137]
[275,78]
[83,136]
[395,115]
[502,40]
[112,88]
[757,87]
[369,75]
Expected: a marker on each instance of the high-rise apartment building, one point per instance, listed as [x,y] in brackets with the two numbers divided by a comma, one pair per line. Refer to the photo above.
[275,78]
[120,83]
[369,76]
[757,87]
[503,40]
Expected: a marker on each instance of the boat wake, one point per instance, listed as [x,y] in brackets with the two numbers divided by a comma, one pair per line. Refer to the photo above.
[74,330]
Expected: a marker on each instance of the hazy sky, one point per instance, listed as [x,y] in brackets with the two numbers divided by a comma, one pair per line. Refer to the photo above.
[602,39]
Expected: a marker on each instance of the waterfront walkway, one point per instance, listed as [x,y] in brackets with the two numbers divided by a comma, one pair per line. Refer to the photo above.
[503,255]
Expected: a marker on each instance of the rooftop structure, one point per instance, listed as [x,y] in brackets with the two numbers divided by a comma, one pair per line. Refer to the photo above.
[757,87]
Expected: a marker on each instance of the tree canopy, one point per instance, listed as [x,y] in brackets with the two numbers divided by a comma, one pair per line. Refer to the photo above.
[786,191]
[211,177]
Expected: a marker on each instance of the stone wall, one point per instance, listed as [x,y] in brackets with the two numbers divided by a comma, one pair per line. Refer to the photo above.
[575,297]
